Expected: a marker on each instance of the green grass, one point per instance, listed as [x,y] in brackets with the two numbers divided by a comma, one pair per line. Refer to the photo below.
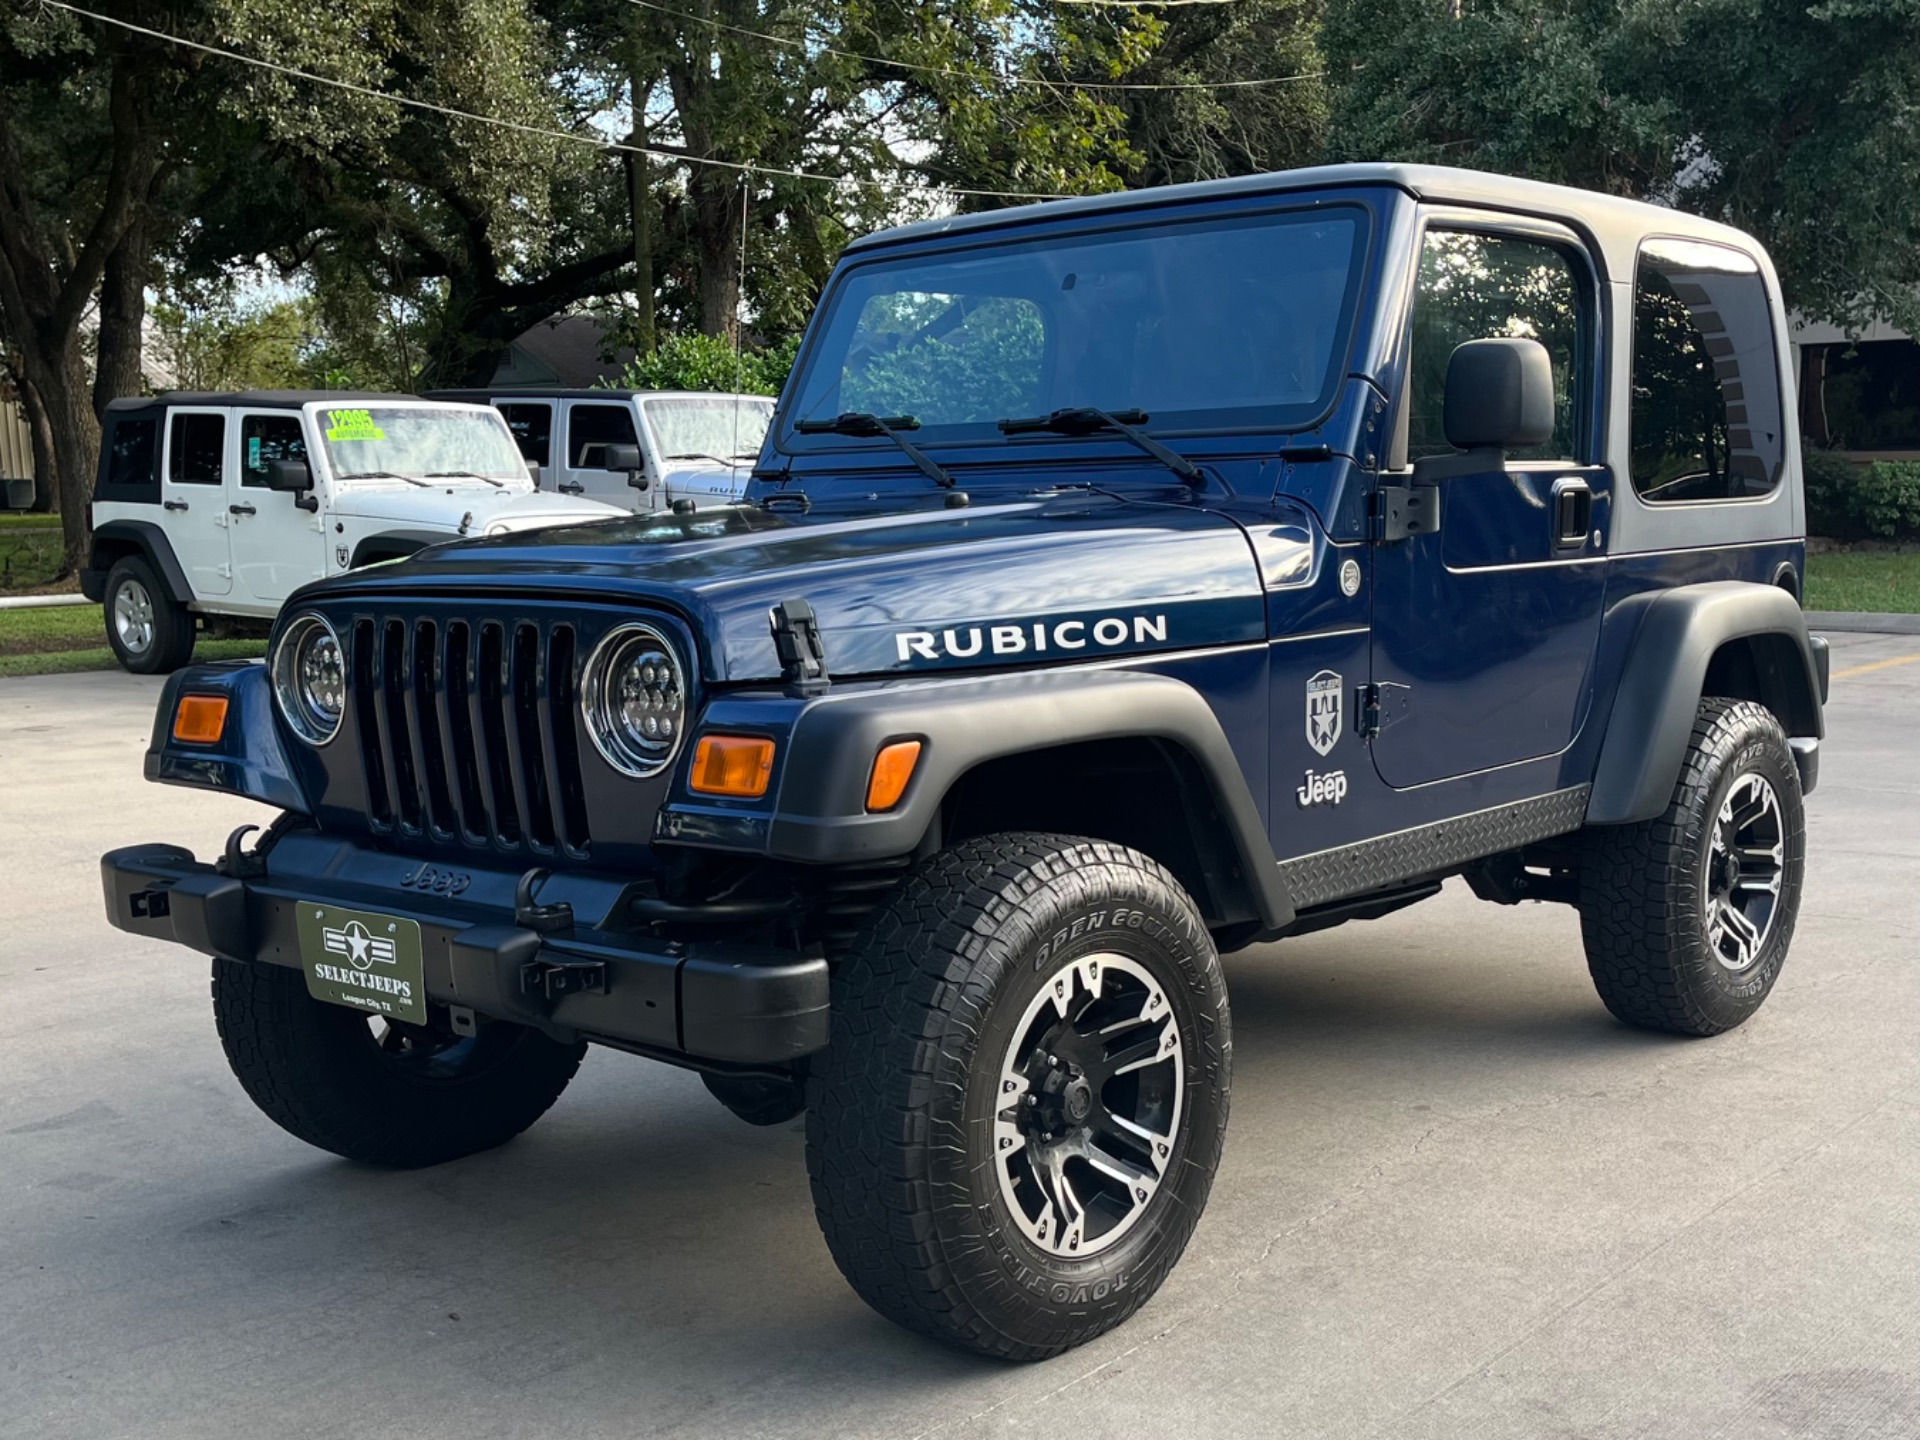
[1873,580]
[58,639]
[30,552]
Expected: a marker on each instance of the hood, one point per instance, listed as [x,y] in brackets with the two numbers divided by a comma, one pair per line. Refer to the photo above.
[444,506]
[1029,583]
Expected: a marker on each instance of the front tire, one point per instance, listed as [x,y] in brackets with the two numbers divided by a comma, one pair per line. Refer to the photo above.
[149,633]
[1687,917]
[1015,1127]
[399,1096]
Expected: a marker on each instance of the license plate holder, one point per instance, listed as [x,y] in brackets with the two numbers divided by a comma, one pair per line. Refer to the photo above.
[364,961]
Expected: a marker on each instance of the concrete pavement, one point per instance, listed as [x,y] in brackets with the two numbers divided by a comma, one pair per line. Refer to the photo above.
[1458,1198]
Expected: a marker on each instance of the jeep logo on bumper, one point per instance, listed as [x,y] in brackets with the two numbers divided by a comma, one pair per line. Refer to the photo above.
[437,882]
[1022,637]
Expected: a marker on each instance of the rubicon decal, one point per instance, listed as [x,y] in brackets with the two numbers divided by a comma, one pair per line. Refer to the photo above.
[1031,637]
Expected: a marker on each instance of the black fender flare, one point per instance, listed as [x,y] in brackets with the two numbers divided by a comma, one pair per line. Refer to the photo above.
[820,817]
[395,545]
[1664,674]
[151,542]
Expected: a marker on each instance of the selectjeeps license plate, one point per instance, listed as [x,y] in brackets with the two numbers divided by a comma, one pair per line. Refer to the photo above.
[364,961]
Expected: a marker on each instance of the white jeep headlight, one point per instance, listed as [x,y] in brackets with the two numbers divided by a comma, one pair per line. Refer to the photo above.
[634,700]
[310,679]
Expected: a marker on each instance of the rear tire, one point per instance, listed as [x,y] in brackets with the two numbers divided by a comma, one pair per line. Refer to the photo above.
[149,633]
[1014,1130]
[1687,917]
[401,1096]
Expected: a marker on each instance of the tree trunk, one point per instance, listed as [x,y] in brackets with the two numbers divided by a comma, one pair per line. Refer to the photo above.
[123,310]
[640,205]
[59,382]
[716,234]
[46,489]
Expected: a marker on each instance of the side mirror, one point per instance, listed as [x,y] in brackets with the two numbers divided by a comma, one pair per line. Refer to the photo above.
[533,473]
[1499,395]
[622,457]
[290,477]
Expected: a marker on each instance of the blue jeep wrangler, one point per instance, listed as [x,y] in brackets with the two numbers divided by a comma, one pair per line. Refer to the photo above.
[1123,581]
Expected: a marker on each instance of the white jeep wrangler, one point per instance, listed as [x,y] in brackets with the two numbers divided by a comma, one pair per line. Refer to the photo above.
[224,505]
[694,446]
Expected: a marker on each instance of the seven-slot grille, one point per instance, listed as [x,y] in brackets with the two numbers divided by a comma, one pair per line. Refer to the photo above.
[467,732]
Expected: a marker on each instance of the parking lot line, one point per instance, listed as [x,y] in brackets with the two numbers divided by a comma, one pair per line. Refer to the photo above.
[1875,665]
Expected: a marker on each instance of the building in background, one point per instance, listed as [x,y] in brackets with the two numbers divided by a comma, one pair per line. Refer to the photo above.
[1860,396]
[562,353]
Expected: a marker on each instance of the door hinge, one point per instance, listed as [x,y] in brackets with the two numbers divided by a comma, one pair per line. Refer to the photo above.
[1400,512]
[1381,705]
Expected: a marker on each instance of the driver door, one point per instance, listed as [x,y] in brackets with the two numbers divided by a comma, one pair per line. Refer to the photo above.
[593,425]
[277,545]
[1484,630]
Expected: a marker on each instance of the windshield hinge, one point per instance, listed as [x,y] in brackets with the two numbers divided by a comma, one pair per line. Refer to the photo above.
[1381,705]
[803,654]
[1400,512]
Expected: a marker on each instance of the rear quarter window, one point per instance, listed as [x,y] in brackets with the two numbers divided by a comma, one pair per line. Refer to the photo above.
[131,453]
[1706,412]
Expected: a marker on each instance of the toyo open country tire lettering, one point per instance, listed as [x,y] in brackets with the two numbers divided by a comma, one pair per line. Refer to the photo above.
[1687,917]
[149,632]
[1015,1128]
[399,1096]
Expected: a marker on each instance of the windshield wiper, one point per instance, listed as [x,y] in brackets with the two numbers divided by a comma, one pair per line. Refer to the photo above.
[385,475]
[703,455]
[464,475]
[860,423]
[1085,420]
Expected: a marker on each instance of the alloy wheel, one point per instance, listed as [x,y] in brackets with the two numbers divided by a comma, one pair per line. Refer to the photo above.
[1090,1105]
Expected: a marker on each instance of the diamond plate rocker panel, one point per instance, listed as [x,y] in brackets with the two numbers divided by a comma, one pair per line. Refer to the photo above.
[1430,849]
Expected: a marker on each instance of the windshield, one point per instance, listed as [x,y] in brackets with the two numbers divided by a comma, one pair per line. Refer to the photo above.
[418,442]
[709,427]
[1204,325]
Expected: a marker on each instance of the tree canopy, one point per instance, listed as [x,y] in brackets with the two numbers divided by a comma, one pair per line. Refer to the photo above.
[378,193]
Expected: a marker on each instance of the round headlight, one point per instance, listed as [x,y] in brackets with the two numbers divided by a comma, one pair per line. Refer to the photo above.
[634,698]
[310,679]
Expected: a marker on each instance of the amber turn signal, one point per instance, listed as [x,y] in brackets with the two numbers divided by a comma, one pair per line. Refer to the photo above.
[736,765]
[892,769]
[200,719]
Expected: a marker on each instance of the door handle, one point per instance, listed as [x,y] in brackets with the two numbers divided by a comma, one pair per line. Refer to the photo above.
[173,505]
[1572,512]
[241,510]
[570,488]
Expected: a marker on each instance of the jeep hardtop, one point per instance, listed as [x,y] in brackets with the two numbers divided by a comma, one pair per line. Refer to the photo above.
[225,504]
[1123,581]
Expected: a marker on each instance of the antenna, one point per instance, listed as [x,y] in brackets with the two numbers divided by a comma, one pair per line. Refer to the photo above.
[739,318]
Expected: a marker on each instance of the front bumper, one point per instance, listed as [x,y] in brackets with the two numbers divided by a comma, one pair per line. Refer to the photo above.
[721,1002]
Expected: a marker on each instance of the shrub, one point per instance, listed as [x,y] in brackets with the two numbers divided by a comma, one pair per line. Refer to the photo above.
[707,362]
[1846,501]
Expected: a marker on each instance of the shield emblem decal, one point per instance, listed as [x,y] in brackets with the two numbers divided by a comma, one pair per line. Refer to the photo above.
[1324,705]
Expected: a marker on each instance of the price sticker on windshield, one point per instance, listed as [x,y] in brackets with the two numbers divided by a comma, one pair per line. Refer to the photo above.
[353,425]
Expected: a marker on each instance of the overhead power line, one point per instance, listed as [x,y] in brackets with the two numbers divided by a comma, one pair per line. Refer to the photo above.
[571,137]
[1038,82]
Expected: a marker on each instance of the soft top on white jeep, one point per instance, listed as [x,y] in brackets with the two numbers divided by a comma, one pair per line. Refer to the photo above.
[225,503]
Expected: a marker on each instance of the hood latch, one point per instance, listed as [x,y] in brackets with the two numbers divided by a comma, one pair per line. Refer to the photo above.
[803,655]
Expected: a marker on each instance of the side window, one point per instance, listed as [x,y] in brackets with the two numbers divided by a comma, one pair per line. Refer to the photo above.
[132,451]
[532,427]
[1482,287]
[591,428]
[1706,421]
[196,454]
[265,439]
